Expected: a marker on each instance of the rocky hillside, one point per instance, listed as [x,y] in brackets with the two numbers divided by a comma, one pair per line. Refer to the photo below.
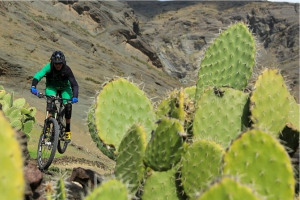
[158,44]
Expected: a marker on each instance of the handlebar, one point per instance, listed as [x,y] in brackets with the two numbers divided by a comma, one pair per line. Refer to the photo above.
[53,98]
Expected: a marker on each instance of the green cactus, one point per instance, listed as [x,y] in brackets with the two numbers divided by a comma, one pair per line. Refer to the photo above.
[110,190]
[227,188]
[12,182]
[161,186]
[269,102]
[166,145]
[2,93]
[221,115]
[61,191]
[261,162]
[129,165]
[19,103]
[200,165]
[172,106]
[179,105]
[190,92]
[293,118]
[228,61]
[94,135]
[119,105]
[19,113]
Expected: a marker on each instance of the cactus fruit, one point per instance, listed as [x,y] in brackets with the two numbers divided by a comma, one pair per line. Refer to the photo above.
[129,165]
[161,186]
[221,115]
[201,164]
[259,160]
[166,145]
[269,102]
[228,189]
[12,182]
[111,190]
[119,105]
[228,61]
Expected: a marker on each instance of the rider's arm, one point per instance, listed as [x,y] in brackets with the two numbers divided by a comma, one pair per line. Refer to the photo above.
[73,82]
[40,74]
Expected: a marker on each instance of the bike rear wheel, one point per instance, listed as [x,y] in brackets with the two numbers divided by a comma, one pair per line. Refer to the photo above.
[62,144]
[47,144]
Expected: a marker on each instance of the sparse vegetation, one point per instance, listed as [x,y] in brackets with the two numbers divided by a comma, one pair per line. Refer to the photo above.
[92,80]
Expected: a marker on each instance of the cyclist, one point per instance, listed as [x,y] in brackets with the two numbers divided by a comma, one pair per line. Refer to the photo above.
[59,78]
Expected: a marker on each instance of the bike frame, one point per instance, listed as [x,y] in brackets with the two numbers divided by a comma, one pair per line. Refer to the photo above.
[54,115]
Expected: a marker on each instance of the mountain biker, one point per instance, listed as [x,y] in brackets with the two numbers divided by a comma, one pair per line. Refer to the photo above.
[59,78]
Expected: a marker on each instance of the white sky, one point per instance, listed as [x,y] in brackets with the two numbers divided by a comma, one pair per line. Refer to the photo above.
[292,1]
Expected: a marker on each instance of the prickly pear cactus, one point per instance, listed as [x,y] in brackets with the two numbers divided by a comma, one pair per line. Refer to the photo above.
[221,115]
[94,135]
[161,186]
[227,188]
[228,61]
[260,161]
[20,115]
[166,145]
[269,102]
[172,106]
[201,164]
[293,118]
[12,183]
[129,166]
[179,105]
[119,105]
[111,189]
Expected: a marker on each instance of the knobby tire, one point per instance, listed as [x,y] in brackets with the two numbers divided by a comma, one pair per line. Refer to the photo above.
[40,154]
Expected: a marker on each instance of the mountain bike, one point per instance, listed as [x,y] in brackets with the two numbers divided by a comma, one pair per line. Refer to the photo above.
[53,134]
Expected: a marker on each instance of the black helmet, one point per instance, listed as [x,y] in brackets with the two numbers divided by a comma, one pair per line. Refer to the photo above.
[58,57]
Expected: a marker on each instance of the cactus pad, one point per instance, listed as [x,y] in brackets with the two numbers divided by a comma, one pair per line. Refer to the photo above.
[259,160]
[166,145]
[12,183]
[161,186]
[228,61]
[221,115]
[270,102]
[94,135]
[293,118]
[200,165]
[228,189]
[119,105]
[111,189]
[129,166]
[172,106]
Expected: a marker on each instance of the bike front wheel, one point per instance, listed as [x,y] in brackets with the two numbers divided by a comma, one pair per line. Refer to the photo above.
[47,143]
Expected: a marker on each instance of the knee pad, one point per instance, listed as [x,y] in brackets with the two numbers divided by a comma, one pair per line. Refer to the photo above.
[68,111]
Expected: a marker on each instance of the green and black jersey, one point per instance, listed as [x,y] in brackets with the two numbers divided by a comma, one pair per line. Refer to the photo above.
[58,79]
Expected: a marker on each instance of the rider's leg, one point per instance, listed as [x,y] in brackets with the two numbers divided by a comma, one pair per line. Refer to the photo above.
[67,94]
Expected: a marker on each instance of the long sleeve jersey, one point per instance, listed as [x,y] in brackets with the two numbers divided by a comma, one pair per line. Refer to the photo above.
[59,79]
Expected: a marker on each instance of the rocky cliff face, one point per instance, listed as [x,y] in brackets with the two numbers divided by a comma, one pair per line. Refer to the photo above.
[159,44]
[180,32]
